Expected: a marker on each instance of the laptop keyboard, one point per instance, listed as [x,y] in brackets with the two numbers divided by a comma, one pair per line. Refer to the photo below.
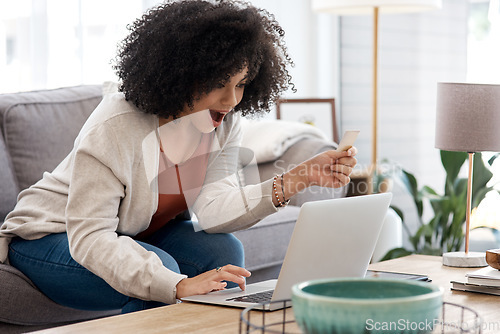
[259,297]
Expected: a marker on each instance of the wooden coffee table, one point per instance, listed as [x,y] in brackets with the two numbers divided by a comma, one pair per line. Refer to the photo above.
[198,318]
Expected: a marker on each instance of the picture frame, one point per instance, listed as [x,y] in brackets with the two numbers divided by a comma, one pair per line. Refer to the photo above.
[319,112]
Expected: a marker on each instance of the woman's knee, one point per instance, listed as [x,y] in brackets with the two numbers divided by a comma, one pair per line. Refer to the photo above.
[230,249]
[167,259]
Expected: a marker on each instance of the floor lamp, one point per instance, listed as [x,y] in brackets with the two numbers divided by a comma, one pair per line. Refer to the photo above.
[467,120]
[363,7]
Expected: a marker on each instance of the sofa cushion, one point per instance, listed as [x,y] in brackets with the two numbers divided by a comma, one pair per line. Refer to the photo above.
[23,304]
[8,187]
[40,127]
[266,242]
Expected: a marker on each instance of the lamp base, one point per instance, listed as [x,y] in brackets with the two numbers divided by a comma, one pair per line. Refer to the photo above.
[465,260]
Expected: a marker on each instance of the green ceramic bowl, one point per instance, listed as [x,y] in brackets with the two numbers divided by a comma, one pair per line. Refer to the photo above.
[366,305]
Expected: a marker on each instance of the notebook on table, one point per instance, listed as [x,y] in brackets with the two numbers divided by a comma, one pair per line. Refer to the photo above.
[331,238]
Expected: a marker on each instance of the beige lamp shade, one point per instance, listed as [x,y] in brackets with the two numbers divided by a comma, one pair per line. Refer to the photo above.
[364,7]
[468,117]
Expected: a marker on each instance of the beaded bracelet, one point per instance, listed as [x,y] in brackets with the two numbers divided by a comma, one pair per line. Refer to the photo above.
[283,189]
[280,203]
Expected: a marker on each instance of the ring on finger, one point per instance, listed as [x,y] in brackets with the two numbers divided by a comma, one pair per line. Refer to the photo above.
[218,269]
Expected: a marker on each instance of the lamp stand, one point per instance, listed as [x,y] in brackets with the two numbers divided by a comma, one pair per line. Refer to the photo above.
[466,259]
[375,90]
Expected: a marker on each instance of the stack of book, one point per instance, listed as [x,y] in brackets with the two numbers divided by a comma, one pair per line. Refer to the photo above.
[484,280]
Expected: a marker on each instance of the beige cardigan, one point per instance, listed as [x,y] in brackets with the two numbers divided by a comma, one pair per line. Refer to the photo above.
[104,192]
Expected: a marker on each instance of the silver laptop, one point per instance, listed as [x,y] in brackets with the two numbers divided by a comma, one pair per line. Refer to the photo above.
[332,238]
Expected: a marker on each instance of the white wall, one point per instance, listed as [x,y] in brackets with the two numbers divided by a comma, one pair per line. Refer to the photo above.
[312,41]
[415,52]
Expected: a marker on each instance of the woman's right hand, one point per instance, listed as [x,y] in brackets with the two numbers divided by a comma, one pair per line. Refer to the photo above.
[212,280]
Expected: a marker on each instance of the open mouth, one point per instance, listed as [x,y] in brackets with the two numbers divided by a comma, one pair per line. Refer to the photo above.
[217,117]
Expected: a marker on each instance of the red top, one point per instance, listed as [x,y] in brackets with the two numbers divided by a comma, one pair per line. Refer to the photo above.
[177,180]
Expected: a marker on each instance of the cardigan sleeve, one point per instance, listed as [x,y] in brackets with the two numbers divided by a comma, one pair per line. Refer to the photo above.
[95,193]
[225,204]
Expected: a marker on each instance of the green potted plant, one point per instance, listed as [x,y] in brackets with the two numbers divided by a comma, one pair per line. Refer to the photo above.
[444,231]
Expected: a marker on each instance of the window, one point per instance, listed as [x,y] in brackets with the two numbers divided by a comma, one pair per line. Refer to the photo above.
[483,51]
[54,43]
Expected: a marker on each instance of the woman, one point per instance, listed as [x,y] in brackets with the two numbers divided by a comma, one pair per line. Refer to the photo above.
[102,231]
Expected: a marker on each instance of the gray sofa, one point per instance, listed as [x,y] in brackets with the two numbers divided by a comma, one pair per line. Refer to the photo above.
[37,132]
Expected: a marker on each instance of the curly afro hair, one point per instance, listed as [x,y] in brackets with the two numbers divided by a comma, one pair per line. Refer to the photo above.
[179,51]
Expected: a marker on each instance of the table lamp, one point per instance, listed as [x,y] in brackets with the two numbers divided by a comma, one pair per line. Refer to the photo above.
[467,120]
[363,7]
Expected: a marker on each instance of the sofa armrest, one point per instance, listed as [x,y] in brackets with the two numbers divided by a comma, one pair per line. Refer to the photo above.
[297,153]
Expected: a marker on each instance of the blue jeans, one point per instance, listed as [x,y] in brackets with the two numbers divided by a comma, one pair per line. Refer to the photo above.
[48,263]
